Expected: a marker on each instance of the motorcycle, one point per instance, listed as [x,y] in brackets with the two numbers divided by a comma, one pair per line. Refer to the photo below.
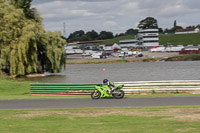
[102,91]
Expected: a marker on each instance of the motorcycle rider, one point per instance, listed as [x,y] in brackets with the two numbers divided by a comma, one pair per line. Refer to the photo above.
[110,85]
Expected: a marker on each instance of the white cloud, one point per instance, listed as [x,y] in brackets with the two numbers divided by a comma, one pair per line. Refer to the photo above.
[115,15]
[109,23]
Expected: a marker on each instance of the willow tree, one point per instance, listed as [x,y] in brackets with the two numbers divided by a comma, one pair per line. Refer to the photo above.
[25,5]
[52,48]
[25,46]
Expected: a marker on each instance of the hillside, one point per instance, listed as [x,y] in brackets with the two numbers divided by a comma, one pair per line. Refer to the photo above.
[173,39]
[180,39]
[117,39]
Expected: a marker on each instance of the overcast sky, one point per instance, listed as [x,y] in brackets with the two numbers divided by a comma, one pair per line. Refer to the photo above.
[115,15]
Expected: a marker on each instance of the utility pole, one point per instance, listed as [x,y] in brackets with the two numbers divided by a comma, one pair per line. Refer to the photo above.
[64,30]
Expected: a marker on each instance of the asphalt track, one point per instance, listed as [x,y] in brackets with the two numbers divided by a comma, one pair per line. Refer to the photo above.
[101,103]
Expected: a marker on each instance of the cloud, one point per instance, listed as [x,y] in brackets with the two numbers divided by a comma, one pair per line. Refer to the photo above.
[115,15]
[45,1]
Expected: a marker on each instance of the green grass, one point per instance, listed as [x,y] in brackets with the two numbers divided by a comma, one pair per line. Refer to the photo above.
[120,120]
[12,89]
[114,61]
[117,39]
[184,58]
[172,39]
[180,39]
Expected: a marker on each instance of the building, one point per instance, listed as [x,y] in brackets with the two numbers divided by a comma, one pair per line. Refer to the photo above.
[110,47]
[128,43]
[148,37]
[187,31]
[190,50]
[86,44]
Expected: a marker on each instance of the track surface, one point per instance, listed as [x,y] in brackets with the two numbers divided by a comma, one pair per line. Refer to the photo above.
[89,103]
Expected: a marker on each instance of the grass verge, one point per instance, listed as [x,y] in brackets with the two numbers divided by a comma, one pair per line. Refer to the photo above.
[114,61]
[12,89]
[104,120]
[174,58]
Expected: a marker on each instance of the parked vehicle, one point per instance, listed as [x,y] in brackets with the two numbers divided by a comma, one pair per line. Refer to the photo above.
[122,54]
[139,55]
[101,91]
[78,51]
[157,49]
[129,53]
[69,51]
[190,50]
[98,55]
[135,52]
[166,49]
[86,54]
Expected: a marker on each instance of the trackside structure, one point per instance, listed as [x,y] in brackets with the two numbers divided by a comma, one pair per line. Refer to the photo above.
[148,37]
[136,87]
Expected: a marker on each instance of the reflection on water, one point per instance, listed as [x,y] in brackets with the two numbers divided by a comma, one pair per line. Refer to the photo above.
[144,71]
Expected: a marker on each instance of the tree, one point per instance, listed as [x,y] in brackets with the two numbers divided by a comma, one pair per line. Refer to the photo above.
[84,38]
[26,6]
[25,47]
[160,30]
[51,50]
[76,36]
[36,15]
[132,31]
[92,35]
[105,35]
[175,23]
[148,23]
[191,26]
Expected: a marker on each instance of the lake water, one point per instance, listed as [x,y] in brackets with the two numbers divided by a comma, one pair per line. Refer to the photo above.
[120,72]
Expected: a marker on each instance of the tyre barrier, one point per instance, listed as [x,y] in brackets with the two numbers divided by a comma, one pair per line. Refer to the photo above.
[136,87]
[170,86]
[61,89]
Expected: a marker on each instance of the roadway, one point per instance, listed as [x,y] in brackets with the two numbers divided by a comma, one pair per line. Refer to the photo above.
[101,103]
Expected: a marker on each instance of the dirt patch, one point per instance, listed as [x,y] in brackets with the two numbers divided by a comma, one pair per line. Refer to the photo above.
[184,114]
[184,130]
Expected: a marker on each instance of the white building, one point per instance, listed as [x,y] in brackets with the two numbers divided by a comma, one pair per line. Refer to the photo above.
[148,37]
[128,43]
[110,47]
[187,31]
[72,49]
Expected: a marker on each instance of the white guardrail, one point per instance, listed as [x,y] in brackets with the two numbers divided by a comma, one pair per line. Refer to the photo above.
[180,86]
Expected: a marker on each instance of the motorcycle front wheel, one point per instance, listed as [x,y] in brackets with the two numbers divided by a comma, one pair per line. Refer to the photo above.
[119,94]
[95,95]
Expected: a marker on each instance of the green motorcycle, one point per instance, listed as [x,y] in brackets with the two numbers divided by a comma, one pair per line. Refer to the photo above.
[102,91]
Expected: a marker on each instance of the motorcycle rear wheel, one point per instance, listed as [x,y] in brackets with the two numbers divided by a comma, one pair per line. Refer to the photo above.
[119,94]
[95,95]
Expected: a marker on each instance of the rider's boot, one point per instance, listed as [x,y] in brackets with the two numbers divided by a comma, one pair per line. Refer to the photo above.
[109,91]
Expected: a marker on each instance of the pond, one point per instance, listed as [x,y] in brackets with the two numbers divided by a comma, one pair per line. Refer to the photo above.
[120,72]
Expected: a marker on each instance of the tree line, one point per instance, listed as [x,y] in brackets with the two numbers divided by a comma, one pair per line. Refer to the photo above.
[25,47]
[147,23]
[93,35]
